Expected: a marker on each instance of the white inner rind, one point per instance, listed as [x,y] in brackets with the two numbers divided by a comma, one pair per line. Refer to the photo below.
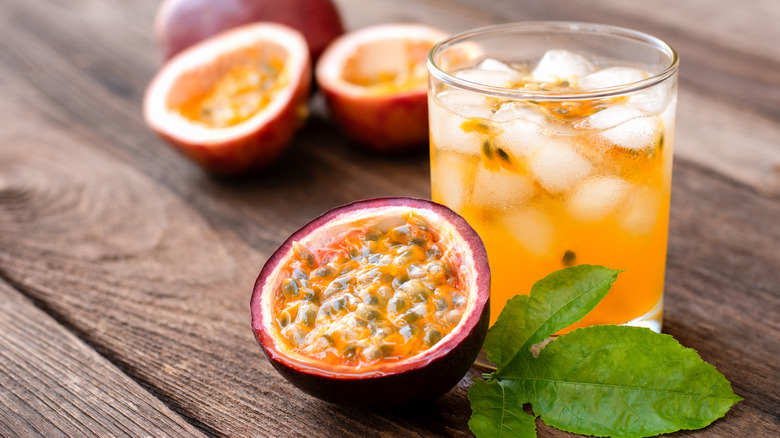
[383,218]
[167,89]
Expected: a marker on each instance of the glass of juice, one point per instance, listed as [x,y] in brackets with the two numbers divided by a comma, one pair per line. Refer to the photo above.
[554,140]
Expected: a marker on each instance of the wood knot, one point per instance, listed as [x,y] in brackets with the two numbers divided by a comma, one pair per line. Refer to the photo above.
[14,194]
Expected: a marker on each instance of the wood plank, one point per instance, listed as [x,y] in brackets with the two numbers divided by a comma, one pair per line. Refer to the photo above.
[54,385]
[747,27]
[722,297]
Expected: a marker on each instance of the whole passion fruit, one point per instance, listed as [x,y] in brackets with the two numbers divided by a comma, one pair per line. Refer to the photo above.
[182,23]
[377,303]
[232,102]
[375,81]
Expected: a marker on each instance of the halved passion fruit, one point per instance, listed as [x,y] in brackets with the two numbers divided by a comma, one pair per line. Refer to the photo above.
[375,81]
[232,102]
[375,303]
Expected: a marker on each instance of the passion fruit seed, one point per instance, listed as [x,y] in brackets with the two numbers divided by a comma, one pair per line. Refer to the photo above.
[408,332]
[289,287]
[303,255]
[370,298]
[397,305]
[307,312]
[458,299]
[300,274]
[309,294]
[436,270]
[416,271]
[569,258]
[385,292]
[442,303]
[386,295]
[371,354]
[432,335]
[323,272]
[284,319]
[368,313]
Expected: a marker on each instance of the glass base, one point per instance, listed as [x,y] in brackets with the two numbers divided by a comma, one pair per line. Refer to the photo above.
[652,320]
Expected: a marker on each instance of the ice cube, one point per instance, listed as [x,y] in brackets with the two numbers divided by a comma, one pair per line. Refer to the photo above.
[557,167]
[521,137]
[450,177]
[456,98]
[446,128]
[624,126]
[500,189]
[465,104]
[520,110]
[596,198]
[652,100]
[557,65]
[635,134]
[610,117]
[668,115]
[612,77]
[639,215]
[491,64]
[532,228]
[491,78]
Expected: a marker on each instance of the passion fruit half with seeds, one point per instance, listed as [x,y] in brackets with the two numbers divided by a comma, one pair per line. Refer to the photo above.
[377,303]
[233,102]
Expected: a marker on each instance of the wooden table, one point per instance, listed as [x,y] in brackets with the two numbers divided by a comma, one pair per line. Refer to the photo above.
[126,271]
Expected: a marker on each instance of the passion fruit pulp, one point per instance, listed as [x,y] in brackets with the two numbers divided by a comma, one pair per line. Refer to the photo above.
[376,303]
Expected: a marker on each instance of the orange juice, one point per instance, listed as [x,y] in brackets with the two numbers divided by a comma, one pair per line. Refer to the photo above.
[549,183]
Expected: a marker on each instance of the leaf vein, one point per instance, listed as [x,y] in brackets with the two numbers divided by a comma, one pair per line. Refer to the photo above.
[584,420]
[560,309]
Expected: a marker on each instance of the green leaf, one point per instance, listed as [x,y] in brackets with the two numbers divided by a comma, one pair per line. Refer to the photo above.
[497,412]
[620,382]
[603,380]
[556,302]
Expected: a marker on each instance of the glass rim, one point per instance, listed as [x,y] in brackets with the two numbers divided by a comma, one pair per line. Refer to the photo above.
[553,27]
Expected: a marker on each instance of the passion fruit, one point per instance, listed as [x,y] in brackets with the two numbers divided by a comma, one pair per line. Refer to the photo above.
[232,102]
[377,303]
[182,23]
[375,82]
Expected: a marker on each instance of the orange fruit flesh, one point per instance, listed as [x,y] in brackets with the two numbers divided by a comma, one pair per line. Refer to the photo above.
[373,297]
[408,74]
[239,93]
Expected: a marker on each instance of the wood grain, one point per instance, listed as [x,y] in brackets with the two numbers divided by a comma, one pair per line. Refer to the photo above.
[142,257]
[54,385]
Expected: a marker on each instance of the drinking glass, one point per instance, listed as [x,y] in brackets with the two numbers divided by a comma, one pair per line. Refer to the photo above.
[554,140]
